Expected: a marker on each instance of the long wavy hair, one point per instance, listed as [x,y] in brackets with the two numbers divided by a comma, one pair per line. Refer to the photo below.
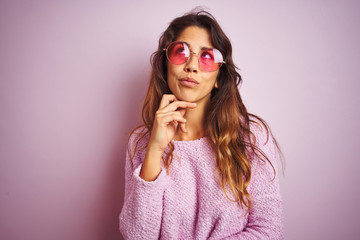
[227,122]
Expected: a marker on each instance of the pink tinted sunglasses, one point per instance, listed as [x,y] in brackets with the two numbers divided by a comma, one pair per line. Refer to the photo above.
[210,59]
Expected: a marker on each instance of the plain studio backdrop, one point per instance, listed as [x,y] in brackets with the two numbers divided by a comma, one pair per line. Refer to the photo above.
[73,75]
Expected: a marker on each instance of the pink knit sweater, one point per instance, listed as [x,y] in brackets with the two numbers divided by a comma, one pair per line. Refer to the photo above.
[189,203]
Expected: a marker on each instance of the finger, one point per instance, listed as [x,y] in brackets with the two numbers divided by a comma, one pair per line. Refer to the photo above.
[160,114]
[182,111]
[183,127]
[175,123]
[178,104]
[166,100]
[166,119]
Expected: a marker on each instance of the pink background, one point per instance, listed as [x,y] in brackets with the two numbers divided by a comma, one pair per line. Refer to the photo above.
[73,77]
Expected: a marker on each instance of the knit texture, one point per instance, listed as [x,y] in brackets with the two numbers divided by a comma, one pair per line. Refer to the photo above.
[188,203]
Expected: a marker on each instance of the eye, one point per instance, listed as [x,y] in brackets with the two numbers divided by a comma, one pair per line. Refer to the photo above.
[180,49]
[207,55]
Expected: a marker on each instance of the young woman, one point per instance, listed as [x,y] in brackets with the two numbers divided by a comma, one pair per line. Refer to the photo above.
[201,166]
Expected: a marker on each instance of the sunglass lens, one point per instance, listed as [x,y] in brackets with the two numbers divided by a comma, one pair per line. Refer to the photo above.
[178,52]
[211,59]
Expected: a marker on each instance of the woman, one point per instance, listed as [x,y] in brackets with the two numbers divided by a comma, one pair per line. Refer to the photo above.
[201,166]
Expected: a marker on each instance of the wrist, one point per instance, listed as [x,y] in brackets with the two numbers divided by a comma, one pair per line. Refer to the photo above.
[156,150]
[151,167]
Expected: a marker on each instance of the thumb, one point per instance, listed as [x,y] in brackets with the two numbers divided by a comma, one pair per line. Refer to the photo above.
[182,111]
[182,125]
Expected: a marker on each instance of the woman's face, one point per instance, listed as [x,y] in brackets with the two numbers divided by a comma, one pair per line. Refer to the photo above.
[188,82]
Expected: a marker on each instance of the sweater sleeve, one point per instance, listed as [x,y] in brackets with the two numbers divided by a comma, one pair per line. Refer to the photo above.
[141,215]
[265,220]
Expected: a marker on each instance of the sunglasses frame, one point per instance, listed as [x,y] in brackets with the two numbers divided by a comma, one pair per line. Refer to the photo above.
[193,53]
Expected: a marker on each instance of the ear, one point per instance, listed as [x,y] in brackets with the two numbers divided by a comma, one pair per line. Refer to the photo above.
[216,84]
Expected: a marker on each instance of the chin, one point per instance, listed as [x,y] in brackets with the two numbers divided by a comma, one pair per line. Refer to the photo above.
[185,97]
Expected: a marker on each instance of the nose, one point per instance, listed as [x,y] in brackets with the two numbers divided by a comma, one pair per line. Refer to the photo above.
[192,65]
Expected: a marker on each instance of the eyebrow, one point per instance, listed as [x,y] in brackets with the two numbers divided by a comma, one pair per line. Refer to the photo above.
[202,48]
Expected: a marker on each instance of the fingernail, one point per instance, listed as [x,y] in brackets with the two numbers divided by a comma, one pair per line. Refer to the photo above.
[184,120]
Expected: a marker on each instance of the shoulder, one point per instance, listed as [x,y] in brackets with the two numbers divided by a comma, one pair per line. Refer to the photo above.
[138,139]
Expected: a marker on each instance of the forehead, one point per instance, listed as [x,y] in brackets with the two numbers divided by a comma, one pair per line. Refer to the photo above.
[196,37]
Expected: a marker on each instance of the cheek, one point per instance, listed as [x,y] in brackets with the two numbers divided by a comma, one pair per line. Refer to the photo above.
[171,76]
[214,79]
[173,71]
[170,70]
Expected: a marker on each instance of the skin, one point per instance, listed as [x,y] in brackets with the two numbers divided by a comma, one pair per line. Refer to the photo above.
[181,115]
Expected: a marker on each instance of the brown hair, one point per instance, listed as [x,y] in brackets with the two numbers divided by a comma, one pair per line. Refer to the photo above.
[227,121]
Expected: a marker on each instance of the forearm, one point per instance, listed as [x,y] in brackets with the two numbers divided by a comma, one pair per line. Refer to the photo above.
[151,167]
[141,215]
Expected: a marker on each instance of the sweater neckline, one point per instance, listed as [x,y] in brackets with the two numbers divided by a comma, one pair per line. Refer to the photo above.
[186,142]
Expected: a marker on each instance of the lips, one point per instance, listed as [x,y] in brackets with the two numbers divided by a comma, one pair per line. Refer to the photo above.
[188,82]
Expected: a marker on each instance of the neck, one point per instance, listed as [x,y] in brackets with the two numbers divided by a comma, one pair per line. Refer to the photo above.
[194,124]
